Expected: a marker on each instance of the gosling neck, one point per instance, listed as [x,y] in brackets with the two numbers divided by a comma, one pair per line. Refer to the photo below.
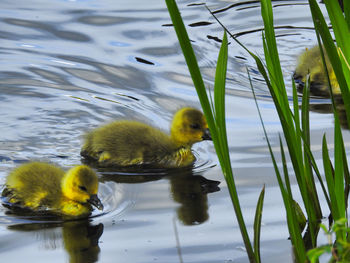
[180,142]
[67,184]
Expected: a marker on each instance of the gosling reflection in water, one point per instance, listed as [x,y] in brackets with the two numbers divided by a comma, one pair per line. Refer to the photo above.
[326,108]
[80,238]
[81,241]
[187,189]
[191,192]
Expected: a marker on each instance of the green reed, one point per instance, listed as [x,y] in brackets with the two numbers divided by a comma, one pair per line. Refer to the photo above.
[295,126]
[337,175]
[214,111]
[296,129]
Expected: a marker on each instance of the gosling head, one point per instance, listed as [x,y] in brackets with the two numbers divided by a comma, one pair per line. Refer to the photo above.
[189,126]
[81,185]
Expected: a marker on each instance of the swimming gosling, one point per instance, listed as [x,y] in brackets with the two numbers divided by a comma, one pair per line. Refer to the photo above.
[310,61]
[44,187]
[125,143]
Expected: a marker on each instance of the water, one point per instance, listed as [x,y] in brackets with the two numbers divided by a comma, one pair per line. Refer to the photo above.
[68,66]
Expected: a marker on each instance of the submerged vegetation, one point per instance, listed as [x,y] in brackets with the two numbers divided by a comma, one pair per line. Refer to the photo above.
[295,142]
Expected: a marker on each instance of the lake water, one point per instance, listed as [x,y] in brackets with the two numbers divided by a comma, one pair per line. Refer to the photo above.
[67,66]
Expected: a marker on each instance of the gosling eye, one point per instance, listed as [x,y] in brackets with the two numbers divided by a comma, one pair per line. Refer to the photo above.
[195,126]
[83,188]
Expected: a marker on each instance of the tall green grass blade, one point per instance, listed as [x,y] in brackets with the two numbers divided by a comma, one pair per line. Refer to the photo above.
[346,179]
[305,112]
[282,107]
[338,190]
[347,12]
[292,215]
[339,168]
[301,167]
[286,174]
[257,225]
[219,103]
[217,133]
[304,135]
[296,114]
[329,174]
[293,226]
[286,120]
[339,175]
[322,28]
[318,174]
[191,61]
[301,135]
[341,32]
[300,216]
[307,149]
[305,120]
[340,28]
[323,57]
[219,97]
[311,235]
[280,98]
[277,88]
[272,61]
[306,184]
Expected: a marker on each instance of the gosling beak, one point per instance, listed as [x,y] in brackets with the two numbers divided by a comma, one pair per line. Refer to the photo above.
[206,135]
[95,201]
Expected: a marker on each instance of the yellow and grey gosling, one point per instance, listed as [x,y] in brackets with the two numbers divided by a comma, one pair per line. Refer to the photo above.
[310,61]
[125,143]
[44,187]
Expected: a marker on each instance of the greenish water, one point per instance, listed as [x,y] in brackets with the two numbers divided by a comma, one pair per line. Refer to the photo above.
[68,66]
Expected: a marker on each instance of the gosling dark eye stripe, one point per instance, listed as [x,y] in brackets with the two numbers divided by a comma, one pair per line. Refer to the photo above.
[83,188]
[195,126]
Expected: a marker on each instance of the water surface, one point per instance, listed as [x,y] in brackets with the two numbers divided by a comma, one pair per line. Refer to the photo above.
[68,66]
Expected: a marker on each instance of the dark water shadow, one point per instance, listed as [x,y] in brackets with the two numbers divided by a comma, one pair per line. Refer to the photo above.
[49,29]
[19,213]
[187,188]
[79,238]
[327,108]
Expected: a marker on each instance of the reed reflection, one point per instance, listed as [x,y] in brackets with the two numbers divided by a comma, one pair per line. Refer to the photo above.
[79,238]
[186,188]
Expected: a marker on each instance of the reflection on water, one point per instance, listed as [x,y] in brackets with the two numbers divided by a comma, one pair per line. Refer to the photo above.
[191,193]
[80,238]
[81,241]
[327,108]
[187,189]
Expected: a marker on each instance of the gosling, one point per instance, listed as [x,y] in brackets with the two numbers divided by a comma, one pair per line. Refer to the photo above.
[310,61]
[126,143]
[44,187]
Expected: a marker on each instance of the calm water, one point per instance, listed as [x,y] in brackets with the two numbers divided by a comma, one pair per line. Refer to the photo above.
[67,66]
